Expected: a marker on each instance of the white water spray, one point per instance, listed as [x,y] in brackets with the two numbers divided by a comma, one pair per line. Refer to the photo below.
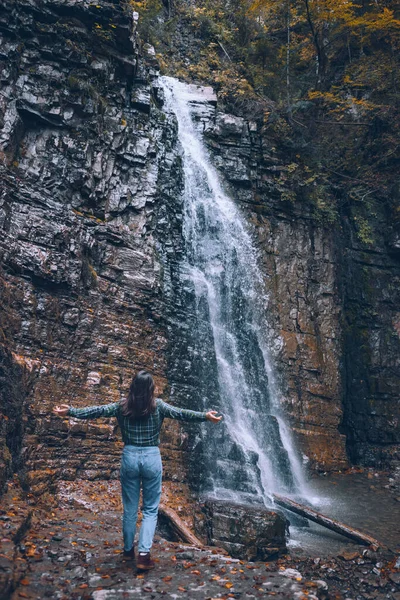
[221,265]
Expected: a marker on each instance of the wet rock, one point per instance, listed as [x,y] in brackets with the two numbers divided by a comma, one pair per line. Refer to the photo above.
[247,532]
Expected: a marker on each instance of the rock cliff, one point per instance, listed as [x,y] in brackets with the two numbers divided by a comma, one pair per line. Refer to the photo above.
[88,173]
[334,305]
[91,217]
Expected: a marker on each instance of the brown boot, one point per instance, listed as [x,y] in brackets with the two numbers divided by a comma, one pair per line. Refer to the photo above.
[144,562]
[130,553]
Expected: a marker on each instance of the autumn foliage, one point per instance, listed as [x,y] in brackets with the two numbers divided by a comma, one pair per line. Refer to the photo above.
[320,76]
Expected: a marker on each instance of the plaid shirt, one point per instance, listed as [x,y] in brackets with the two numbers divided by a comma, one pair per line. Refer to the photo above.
[143,432]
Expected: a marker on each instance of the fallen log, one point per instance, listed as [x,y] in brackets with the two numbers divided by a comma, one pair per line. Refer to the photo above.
[179,526]
[337,526]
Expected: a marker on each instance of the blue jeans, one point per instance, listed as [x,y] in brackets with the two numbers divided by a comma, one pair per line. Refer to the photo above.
[140,466]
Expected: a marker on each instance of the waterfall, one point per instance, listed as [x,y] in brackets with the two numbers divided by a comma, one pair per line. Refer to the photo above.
[251,454]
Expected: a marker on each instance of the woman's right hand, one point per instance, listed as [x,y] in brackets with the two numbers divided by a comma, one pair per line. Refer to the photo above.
[211,415]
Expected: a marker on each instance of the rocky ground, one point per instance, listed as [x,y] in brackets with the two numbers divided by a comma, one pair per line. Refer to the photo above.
[73,550]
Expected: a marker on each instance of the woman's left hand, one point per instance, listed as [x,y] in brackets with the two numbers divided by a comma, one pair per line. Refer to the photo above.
[61,411]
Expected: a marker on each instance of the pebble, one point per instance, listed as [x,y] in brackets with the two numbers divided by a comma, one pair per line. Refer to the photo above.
[185,556]
[291,573]
[79,572]
[321,585]
[64,558]
[94,580]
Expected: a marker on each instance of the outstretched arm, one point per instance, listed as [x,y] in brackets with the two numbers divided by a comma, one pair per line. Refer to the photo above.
[88,412]
[184,414]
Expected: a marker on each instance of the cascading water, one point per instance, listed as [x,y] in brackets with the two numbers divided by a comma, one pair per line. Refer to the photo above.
[251,454]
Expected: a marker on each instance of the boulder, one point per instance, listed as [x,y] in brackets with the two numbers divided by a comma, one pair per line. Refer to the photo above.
[246,532]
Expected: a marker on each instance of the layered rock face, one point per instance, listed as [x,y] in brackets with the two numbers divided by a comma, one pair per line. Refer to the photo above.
[300,266]
[88,176]
[333,310]
[90,213]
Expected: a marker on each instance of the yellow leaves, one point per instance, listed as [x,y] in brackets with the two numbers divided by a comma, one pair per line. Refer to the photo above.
[311,179]
[338,104]
[333,10]
[374,21]
[199,11]
[347,80]
[307,52]
[146,8]
[325,96]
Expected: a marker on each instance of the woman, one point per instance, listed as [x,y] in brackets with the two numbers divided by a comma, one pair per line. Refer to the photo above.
[140,417]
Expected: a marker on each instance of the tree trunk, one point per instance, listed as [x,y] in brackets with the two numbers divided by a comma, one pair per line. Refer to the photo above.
[309,513]
[179,526]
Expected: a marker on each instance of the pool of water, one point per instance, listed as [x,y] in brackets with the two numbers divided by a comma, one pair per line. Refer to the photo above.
[357,499]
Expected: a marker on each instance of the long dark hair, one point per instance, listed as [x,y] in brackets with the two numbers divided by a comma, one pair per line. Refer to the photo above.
[140,402]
